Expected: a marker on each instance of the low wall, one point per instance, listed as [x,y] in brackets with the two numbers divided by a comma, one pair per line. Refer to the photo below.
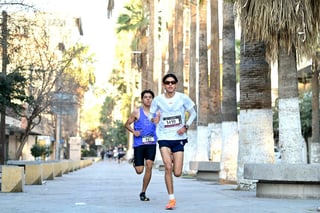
[285,180]
[12,179]
[205,170]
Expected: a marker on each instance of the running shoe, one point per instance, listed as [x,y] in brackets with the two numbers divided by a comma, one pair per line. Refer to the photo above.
[143,197]
[171,205]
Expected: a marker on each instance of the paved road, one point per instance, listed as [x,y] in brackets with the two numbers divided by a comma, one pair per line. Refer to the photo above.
[109,187]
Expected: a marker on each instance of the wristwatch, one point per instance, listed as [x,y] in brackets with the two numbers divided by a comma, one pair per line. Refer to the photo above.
[186,126]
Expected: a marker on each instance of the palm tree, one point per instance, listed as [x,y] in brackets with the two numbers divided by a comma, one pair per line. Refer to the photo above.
[165,34]
[178,62]
[291,141]
[202,136]
[170,26]
[214,116]
[255,119]
[292,26]
[150,71]
[229,153]
[136,20]
[193,54]
[315,145]
[190,150]
[287,29]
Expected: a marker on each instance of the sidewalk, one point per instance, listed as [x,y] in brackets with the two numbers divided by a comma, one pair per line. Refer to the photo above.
[110,187]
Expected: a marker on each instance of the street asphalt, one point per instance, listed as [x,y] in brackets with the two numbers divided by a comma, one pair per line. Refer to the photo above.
[109,187]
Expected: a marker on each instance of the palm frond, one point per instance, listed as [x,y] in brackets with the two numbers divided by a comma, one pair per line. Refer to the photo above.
[284,23]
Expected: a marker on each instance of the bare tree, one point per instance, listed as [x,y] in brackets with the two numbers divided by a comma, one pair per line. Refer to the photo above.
[44,65]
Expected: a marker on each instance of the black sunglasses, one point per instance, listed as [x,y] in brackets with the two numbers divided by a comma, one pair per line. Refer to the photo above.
[170,82]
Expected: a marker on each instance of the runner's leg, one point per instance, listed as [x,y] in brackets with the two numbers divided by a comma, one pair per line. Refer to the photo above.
[167,161]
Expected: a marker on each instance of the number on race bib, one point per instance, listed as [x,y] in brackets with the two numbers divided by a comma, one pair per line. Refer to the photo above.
[172,121]
[147,139]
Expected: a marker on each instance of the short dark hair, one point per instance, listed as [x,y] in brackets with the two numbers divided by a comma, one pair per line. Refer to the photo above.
[147,91]
[169,75]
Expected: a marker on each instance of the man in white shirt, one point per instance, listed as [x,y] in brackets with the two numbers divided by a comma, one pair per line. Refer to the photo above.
[172,129]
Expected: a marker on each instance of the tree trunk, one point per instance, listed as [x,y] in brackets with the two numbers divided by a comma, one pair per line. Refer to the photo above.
[23,140]
[191,148]
[203,140]
[5,60]
[171,15]
[256,143]
[292,144]
[315,141]
[178,64]
[214,117]
[230,137]
[166,24]
[315,98]
[151,50]
[193,56]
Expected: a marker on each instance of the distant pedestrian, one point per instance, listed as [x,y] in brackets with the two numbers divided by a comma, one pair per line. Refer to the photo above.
[115,153]
[109,153]
[172,129]
[102,153]
[144,143]
[121,152]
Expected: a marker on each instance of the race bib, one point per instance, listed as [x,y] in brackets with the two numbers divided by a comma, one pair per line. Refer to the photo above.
[147,139]
[172,121]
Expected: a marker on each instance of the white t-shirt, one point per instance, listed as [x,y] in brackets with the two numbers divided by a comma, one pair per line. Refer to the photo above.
[172,115]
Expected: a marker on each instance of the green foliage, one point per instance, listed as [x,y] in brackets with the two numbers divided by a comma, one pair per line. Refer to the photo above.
[305,103]
[135,20]
[112,129]
[126,105]
[118,82]
[88,153]
[120,134]
[38,150]
[12,91]
[91,152]
[80,70]
[106,111]
[114,134]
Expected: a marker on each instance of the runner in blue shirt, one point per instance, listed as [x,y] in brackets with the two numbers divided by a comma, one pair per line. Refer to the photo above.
[144,140]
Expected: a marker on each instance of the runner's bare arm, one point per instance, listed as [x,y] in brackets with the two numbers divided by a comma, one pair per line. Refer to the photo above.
[133,117]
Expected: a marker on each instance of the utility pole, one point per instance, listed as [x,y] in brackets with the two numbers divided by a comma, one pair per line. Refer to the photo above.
[58,131]
[59,106]
[4,44]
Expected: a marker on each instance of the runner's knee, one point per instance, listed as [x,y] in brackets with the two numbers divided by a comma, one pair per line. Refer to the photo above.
[168,167]
[139,169]
[177,173]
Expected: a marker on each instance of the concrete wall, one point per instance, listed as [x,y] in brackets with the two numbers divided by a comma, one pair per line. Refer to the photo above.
[14,144]
[75,148]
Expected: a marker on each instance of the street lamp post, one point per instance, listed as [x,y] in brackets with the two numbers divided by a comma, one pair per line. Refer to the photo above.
[58,134]
[59,107]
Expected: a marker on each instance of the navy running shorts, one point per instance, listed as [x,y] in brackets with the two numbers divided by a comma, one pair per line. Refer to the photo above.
[174,145]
